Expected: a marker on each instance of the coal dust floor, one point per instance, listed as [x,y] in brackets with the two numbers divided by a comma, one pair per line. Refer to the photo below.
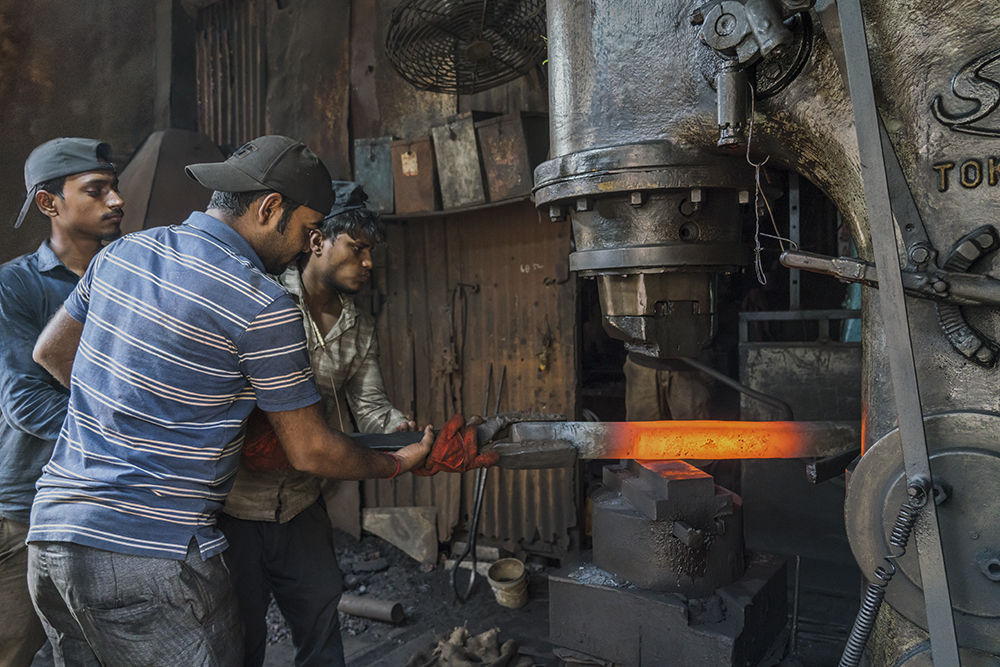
[374,568]
[828,600]
[829,596]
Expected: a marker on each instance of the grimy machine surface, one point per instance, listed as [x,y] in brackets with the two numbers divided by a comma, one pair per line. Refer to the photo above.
[652,106]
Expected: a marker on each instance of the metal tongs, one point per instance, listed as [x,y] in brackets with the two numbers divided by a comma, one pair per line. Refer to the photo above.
[477,502]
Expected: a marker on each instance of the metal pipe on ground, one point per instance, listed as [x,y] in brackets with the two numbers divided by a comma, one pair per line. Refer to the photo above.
[377,610]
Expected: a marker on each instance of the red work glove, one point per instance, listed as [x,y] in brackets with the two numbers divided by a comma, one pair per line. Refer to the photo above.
[455,450]
[262,451]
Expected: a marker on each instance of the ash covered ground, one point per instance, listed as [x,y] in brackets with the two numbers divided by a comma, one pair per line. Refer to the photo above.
[373,567]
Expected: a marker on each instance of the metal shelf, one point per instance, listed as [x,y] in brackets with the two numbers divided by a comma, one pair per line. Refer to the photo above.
[452,211]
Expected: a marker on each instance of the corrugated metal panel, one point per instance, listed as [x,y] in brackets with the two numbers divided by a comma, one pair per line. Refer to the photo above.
[464,291]
[231,68]
[438,335]
[533,508]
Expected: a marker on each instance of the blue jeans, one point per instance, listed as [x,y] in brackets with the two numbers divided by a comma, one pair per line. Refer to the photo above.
[101,608]
[296,562]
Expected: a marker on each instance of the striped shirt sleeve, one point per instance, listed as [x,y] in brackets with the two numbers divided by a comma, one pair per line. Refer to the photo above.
[78,302]
[274,358]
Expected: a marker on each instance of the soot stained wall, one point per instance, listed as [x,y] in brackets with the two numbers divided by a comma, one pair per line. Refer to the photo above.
[83,68]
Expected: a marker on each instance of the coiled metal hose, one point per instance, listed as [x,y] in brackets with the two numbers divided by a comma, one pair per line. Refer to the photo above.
[875,592]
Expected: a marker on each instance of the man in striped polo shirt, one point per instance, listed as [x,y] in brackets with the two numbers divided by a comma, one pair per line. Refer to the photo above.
[169,340]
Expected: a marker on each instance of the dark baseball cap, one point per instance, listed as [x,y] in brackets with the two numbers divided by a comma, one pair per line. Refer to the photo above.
[347,196]
[274,163]
[66,156]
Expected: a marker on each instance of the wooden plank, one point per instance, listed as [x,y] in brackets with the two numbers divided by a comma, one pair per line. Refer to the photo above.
[385,493]
[387,350]
[450,502]
[423,491]
[399,324]
[365,118]
[404,490]
[438,299]
[369,493]
[417,303]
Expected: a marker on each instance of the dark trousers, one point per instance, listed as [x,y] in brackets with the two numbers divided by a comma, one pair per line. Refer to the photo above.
[296,562]
[104,609]
[21,633]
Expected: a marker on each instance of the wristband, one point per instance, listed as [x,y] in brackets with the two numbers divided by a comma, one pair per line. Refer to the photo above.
[399,465]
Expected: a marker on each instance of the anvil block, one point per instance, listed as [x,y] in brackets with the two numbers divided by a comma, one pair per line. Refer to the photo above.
[593,611]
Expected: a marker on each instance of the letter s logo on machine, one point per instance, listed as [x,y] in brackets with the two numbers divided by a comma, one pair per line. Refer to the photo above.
[970,84]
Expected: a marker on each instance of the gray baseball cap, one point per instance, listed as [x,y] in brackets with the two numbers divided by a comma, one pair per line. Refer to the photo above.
[66,156]
[271,162]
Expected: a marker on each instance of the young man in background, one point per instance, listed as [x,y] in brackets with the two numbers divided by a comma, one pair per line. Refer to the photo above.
[279,533]
[72,183]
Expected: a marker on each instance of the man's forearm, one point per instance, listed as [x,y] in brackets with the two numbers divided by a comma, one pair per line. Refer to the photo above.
[57,345]
[342,458]
[313,447]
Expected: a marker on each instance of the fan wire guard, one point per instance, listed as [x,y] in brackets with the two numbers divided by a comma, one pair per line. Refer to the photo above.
[465,46]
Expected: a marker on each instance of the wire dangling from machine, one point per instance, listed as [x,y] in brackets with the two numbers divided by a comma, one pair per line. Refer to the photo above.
[759,195]
[875,591]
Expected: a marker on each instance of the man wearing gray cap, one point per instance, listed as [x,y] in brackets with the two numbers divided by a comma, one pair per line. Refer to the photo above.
[280,537]
[167,343]
[72,183]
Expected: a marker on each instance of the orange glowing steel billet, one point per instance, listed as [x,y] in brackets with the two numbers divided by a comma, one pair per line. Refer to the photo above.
[705,439]
[531,442]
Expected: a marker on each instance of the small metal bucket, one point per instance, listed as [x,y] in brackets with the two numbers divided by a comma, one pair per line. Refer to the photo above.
[509,582]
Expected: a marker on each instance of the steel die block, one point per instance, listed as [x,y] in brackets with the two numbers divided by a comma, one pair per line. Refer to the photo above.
[593,611]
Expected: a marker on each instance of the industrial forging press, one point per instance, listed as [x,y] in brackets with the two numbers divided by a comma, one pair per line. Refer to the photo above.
[660,114]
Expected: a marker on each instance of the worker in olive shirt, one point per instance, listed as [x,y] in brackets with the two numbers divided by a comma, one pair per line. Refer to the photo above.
[280,537]
[72,183]
[167,343]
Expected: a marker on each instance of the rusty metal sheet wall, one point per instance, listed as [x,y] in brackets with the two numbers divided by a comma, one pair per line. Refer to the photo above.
[462,291]
[231,71]
[382,102]
[66,70]
[308,83]
[529,93]
[265,68]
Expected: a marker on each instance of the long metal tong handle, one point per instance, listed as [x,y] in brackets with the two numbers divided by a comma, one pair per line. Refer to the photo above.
[477,501]
[940,622]
[470,547]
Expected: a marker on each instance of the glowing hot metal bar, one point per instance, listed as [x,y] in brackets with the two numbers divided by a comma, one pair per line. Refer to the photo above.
[550,444]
